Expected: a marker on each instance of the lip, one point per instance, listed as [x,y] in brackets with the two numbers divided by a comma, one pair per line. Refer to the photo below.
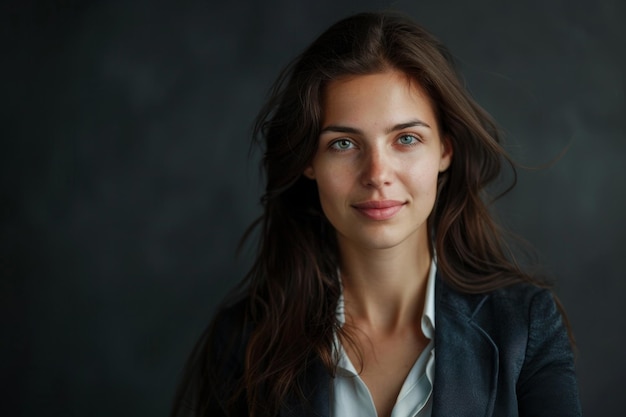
[379,209]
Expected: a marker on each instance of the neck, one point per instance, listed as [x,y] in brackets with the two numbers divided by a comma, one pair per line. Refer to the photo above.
[384,289]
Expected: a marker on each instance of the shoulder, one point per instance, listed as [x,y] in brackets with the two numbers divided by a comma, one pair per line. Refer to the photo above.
[212,375]
[525,300]
[229,332]
[521,300]
[230,316]
[509,315]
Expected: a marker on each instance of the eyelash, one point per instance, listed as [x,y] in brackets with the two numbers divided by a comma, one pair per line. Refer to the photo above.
[334,144]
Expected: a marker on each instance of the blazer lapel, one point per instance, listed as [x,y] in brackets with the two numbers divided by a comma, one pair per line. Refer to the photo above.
[466,358]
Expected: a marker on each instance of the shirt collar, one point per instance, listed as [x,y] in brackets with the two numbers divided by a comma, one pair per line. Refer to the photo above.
[428,316]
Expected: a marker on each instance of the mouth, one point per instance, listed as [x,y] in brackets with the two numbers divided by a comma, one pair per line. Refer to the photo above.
[379,209]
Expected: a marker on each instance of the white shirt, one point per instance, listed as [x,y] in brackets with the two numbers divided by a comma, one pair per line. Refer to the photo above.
[351,397]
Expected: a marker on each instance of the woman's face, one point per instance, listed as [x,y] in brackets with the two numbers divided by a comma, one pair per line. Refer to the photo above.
[378,159]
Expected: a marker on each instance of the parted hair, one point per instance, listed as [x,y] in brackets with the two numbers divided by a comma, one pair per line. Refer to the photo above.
[292,289]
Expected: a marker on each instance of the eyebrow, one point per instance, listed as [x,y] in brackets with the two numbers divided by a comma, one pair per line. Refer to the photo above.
[394,128]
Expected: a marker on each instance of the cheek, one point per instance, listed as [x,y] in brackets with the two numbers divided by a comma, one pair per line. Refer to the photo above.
[423,176]
[334,180]
[331,189]
[334,192]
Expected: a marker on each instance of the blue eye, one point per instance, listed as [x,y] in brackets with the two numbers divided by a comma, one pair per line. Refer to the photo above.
[408,140]
[342,145]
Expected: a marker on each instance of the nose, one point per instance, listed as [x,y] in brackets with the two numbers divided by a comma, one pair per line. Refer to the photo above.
[377,169]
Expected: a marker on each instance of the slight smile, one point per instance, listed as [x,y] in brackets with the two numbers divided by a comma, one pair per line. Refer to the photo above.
[379,209]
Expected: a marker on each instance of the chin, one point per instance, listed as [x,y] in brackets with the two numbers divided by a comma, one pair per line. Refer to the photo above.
[379,241]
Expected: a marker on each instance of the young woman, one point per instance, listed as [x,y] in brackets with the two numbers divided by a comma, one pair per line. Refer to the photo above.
[382,286]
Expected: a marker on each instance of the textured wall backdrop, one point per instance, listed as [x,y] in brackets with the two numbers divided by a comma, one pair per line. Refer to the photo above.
[126,179]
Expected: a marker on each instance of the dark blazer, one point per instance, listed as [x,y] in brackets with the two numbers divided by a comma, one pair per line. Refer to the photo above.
[504,353]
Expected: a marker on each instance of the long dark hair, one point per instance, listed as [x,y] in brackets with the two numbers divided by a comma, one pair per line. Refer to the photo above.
[292,289]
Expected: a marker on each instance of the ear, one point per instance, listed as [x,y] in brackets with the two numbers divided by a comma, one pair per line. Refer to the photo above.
[309,172]
[446,154]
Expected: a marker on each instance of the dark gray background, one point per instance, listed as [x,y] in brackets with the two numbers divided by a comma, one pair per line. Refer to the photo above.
[126,180]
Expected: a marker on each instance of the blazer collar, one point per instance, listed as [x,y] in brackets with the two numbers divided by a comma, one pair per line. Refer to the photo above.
[466,361]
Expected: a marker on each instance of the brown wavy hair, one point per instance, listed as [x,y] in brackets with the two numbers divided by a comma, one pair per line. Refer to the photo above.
[292,289]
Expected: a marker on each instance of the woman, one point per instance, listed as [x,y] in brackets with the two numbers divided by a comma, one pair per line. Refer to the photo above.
[381,286]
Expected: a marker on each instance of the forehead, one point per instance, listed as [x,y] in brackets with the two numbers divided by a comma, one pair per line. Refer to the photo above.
[385,97]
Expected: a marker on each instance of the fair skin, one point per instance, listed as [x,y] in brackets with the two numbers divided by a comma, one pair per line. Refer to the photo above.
[379,155]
